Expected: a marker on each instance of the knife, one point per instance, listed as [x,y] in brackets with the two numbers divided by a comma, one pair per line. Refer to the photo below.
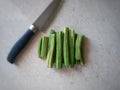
[39,24]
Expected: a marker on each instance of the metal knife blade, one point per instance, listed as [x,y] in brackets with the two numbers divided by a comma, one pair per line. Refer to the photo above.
[40,22]
[48,13]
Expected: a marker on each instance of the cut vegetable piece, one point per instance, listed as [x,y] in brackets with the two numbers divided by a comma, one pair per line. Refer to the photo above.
[59,50]
[52,31]
[50,55]
[39,47]
[72,47]
[44,48]
[78,46]
[66,46]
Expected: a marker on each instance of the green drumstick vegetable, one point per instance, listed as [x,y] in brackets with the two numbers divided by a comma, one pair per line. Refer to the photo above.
[59,50]
[44,47]
[72,47]
[78,46]
[66,46]
[50,55]
[39,47]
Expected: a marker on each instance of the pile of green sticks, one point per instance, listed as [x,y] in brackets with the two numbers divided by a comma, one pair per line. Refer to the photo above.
[63,47]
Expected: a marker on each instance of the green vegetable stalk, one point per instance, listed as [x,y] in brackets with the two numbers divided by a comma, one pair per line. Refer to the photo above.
[50,55]
[59,50]
[66,46]
[44,47]
[39,47]
[51,32]
[72,47]
[78,46]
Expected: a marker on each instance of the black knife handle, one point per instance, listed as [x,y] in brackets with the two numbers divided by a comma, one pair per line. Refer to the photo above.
[19,45]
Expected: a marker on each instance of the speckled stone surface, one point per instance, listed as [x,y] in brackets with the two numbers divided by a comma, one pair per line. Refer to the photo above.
[98,20]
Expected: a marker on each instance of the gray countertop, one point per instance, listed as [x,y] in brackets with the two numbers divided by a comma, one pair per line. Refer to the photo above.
[98,20]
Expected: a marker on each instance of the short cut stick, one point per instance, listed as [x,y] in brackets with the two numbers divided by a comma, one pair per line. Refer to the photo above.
[50,55]
[39,47]
[66,46]
[44,47]
[72,47]
[59,50]
[78,46]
